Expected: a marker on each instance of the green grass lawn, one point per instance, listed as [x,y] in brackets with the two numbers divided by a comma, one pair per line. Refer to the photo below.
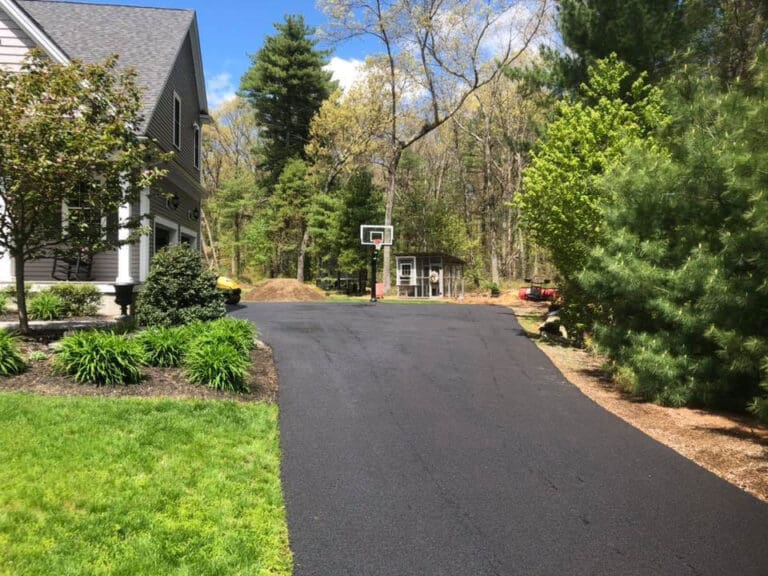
[133,487]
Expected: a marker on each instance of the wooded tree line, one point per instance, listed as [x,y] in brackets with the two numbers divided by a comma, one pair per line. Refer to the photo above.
[631,165]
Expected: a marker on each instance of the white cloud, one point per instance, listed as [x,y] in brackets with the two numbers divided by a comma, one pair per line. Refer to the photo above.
[515,26]
[345,72]
[220,89]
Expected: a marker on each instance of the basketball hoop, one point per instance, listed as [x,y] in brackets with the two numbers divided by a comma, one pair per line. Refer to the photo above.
[378,243]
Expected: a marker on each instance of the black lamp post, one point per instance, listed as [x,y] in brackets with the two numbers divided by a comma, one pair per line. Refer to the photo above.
[124,298]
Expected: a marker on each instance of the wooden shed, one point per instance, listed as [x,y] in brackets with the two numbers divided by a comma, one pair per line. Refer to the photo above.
[431,275]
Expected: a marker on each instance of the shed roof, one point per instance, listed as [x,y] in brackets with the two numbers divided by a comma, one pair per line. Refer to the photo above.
[146,39]
[447,258]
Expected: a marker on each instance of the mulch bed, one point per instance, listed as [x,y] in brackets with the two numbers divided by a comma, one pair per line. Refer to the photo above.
[158,382]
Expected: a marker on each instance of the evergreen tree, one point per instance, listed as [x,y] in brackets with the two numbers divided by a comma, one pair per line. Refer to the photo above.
[286,85]
[643,33]
[681,277]
[289,212]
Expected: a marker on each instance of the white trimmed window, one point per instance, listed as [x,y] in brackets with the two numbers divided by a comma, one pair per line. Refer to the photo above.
[198,145]
[176,121]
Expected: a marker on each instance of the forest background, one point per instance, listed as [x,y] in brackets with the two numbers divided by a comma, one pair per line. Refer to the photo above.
[616,147]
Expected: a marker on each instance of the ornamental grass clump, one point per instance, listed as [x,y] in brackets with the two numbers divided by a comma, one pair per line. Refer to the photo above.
[165,347]
[101,358]
[217,364]
[46,306]
[238,333]
[11,362]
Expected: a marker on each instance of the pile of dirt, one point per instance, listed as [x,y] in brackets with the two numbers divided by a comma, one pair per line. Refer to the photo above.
[283,290]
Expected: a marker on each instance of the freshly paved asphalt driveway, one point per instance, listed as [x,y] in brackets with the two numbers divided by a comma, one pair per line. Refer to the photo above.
[437,440]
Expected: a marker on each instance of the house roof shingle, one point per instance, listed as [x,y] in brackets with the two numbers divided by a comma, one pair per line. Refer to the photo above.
[147,39]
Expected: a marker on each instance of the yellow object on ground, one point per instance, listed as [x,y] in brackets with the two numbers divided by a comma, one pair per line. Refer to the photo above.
[230,288]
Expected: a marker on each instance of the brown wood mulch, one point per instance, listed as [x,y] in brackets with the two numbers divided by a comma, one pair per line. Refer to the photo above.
[732,446]
[40,378]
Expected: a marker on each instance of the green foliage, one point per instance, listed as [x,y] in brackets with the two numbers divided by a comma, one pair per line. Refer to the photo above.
[643,34]
[37,356]
[3,303]
[289,211]
[164,346]
[217,364]
[286,85]
[141,487]
[335,221]
[11,361]
[79,299]
[679,282]
[178,290]
[100,358]
[239,333]
[46,305]
[562,201]
[219,356]
[82,125]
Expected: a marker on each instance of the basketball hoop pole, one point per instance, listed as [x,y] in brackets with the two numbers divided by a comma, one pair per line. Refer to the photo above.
[374,265]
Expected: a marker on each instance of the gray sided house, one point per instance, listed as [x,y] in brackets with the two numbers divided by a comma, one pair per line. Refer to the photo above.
[163,46]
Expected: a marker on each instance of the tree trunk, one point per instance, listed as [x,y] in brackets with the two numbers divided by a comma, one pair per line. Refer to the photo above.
[302,255]
[391,190]
[21,297]
[236,248]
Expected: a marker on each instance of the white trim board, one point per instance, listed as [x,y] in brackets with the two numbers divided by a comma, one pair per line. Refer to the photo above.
[32,30]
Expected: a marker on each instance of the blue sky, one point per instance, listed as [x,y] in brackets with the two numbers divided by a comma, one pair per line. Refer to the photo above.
[232,29]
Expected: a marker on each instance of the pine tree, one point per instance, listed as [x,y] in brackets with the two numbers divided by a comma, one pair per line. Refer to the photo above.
[286,85]
[681,277]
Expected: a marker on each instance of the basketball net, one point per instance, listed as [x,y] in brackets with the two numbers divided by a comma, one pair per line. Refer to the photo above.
[377,243]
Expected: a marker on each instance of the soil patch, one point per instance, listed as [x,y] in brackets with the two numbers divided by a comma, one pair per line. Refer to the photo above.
[284,290]
[158,382]
[734,447]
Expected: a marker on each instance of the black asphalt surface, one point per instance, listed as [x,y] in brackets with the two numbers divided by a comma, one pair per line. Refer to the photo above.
[437,440]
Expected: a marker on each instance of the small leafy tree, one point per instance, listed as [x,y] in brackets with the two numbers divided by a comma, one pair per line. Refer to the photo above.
[562,203]
[68,136]
[178,290]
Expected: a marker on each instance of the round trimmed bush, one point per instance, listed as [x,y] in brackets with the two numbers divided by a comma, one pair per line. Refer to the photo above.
[11,362]
[100,358]
[46,306]
[178,290]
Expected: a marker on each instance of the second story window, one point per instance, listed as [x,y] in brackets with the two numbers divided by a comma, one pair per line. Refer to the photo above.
[197,145]
[176,121]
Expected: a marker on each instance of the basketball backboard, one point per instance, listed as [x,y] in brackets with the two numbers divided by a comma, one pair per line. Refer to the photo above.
[374,234]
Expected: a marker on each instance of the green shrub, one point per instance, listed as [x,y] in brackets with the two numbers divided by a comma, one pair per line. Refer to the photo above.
[37,356]
[178,290]
[165,347]
[46,306]
[79,299]
[11,361]
[3,303]
[217,364]
[238,333]
[10,291]
[100,358]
